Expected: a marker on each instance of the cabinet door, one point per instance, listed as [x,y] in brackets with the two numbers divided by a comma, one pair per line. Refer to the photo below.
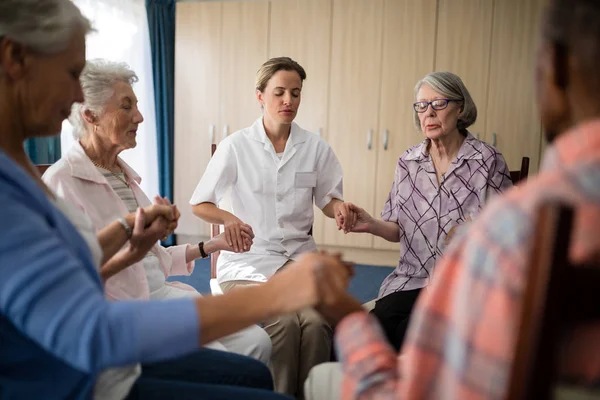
[464,34]
[197,73]
[243,50]
[511,111]
[408,55]
[353,104]
[301,29]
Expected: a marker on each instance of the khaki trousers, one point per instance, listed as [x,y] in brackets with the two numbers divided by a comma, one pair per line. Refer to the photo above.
[299,340]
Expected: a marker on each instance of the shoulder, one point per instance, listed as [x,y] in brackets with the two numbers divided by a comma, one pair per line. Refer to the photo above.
[58,173]
[489,153]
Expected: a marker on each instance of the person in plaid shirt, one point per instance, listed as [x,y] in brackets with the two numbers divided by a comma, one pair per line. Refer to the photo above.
[461,339]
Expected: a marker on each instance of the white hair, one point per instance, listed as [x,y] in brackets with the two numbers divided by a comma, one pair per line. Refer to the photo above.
[98,81]
[45,26]
[452,87]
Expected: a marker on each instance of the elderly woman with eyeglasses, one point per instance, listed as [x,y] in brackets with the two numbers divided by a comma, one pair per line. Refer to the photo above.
[439,184]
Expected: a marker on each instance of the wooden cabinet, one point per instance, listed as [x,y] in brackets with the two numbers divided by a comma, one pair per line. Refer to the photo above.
[197,93]
[245,34]
[219,47]
[406,59]
[363,59]
[353,106]
[301,29]
[511,109]
[464,34]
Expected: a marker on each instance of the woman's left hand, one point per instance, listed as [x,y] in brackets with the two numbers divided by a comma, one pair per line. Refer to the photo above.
[176,214]
[345,217]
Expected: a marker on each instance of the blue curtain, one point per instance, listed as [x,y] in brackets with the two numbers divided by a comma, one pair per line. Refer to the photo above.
[161,23]
[44,150]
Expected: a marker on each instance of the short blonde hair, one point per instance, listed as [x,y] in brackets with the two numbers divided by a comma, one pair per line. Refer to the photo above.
[452,87]
[269,68]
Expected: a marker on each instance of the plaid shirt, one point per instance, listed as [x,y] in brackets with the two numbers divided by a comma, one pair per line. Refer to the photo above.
[461,339]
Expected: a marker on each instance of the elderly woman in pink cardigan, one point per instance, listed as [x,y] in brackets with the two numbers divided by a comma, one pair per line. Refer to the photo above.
[94,178]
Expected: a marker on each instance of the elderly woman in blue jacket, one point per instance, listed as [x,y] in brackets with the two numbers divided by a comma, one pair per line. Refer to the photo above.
[57,330]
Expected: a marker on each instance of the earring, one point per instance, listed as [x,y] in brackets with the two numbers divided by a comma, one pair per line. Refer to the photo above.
[95,129]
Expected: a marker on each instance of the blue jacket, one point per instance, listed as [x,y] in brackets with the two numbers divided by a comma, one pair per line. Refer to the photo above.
[57,330]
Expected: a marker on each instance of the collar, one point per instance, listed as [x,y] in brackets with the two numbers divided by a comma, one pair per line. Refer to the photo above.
[81,166]
[471,149]
[579,144]
[257,132]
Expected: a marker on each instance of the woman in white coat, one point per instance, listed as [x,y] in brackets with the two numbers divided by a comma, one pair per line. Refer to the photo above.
[275,169]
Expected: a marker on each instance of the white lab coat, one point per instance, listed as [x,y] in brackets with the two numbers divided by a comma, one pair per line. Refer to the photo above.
[275,197]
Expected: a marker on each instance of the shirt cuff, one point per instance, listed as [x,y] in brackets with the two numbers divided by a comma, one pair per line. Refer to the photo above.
[178,264]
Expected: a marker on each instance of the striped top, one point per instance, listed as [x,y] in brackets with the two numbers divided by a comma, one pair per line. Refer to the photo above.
[154,274]
[121,189]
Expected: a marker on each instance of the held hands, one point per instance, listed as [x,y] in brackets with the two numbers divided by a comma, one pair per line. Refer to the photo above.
[220,241]
[314,280]
[236,234]
[172,222]
[145,235]
[363,220]
[345,217]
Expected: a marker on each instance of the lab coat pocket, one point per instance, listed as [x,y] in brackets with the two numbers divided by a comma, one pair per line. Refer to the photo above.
[305,180]
[304,185]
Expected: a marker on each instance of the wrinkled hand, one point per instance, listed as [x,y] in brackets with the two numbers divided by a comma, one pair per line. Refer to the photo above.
[163,201]
[144,236]
[335,302]
[363,219]
[234,237]
[297,286]
[345,217]
[220,240]
[452,231]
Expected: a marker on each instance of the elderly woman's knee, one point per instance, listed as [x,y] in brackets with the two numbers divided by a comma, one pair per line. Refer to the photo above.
[324,382]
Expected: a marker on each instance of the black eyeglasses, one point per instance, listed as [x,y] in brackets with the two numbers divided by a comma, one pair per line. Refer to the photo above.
[437,104]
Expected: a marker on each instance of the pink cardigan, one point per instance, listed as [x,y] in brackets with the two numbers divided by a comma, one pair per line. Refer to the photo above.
[77,180]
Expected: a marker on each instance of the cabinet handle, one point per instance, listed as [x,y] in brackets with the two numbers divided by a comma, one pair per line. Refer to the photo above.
[386,136]
[370,139]
[494,139]
[225,131]
[211,133]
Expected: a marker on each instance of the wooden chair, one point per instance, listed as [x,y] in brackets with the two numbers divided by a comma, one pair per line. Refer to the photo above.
[521,174]
[215,230]
[42,168]
[558,295]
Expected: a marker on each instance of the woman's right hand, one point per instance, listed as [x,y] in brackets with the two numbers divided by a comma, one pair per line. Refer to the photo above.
[220,241]
[145,235]
[234,236]
[363,219]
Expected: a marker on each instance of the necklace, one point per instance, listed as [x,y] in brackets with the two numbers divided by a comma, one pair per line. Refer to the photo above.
[116,175]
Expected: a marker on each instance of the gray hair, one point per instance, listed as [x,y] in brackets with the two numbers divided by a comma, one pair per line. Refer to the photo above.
[98,81]
[44,26]
[452,87]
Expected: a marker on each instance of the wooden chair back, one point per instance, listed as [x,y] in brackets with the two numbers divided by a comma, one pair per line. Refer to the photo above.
[558,295]
[520,175]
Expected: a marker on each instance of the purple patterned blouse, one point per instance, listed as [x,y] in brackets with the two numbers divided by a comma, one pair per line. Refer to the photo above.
[426,210]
